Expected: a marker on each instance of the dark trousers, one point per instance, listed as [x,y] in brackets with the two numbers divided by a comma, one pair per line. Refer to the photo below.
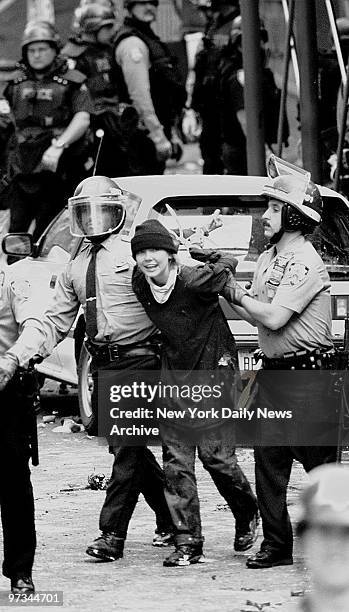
[37,196]
[308,395]
[135,469]
[218,457]
[273,469]
[142,158]
[16,493]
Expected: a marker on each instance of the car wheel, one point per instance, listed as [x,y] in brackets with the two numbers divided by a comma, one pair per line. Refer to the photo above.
[85,385]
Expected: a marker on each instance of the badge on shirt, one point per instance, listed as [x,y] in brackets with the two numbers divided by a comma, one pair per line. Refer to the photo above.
[296,273]
[21,288]
[136,54]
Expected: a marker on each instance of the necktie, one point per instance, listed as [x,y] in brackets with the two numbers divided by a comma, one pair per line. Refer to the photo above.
[91,300]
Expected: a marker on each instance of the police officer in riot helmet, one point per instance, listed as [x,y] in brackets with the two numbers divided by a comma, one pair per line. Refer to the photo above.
[90,49]
[323,527]
[290,304]
[51,108]
[154,84]
[120,337]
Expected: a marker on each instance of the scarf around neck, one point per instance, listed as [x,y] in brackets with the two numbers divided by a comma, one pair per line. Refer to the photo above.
[161,293]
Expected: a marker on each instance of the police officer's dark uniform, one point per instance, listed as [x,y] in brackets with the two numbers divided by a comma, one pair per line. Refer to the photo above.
[45,104]
[20,316]
[120,337]
[206,99]
[290,279]
[218,93]
[155,88]
[93,56]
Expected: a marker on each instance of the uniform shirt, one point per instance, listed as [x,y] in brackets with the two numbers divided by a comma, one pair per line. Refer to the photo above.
[120,317]
[132,55]
[20,315]
[295,278]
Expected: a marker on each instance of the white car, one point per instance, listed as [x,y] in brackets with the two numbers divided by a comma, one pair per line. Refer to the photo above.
[183,201]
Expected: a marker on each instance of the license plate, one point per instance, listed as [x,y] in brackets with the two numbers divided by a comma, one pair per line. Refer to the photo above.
[246,361]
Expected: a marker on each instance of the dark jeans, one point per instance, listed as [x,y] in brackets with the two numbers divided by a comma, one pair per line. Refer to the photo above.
[16,493]
[307,394]
[135,469]
[219,459]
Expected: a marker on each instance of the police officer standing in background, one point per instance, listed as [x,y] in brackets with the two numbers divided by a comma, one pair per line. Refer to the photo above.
[218,93]
[51,108]
[20,315]
[154,84]
[290,304]
[90,51]
[120,336]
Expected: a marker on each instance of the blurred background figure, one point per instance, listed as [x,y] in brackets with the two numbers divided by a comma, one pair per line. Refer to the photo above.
[218,93]
[155,87]
[48,150]
[324,531]
[90,49]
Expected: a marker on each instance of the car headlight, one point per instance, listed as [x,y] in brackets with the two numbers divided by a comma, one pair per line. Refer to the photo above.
[340,306]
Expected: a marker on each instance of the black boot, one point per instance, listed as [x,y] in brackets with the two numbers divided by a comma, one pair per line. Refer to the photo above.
[22,584]
[185,554]
[246,533]
[107,547]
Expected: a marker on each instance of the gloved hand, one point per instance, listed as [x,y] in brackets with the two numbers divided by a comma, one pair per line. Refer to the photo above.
[233,292]
[213,256]
[8,367]
[205,255]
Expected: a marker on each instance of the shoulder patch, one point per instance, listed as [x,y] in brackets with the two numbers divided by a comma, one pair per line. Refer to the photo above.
[21,288]
[136,54]
[296,273]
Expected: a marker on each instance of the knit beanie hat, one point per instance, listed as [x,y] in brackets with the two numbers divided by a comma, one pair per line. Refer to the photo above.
[151,234]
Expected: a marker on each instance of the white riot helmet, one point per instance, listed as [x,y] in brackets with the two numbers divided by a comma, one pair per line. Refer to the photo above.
[97,208]
[292,186]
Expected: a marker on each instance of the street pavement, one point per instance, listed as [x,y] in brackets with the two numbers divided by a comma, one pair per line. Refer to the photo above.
[67,520]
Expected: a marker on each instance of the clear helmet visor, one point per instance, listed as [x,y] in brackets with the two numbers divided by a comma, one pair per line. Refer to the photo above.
[93,215]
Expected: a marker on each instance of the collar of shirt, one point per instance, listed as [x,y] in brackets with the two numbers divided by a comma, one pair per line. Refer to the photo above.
[289,241]
[107,244]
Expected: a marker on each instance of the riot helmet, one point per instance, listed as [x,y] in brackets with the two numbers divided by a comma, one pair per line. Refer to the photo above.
[40,31]
[91,17]
[325,499]
[97,208]
[291,185]
[130,3]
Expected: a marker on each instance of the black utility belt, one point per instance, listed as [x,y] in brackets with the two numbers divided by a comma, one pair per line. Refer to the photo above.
[103,354]
[300,360]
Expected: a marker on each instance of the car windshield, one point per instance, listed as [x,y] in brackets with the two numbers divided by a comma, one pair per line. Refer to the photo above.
[242,230]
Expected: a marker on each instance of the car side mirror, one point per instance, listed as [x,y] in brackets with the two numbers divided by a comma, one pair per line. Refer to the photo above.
[20,245]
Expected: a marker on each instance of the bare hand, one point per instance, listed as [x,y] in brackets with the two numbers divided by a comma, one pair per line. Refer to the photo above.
[51,158]
[8,367]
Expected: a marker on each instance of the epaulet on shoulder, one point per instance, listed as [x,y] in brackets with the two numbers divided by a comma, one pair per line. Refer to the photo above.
[74,76]
[73,49]
[9,71]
